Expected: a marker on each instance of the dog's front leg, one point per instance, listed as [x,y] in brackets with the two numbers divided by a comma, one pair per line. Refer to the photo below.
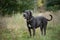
[33,31]
[29,29]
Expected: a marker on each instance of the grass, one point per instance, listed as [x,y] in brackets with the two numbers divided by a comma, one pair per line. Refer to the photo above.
[15,29]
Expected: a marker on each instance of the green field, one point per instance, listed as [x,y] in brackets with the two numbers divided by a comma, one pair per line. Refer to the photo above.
[14,28]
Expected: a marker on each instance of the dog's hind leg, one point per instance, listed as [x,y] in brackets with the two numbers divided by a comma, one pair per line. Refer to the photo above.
[45,29]
[41,28]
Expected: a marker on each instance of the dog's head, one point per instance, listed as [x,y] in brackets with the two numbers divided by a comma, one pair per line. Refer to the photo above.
[27,14]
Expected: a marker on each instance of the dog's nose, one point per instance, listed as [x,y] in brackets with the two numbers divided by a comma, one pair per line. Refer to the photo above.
[24,15]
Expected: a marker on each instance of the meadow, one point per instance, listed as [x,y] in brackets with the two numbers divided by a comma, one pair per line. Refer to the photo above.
[14,28]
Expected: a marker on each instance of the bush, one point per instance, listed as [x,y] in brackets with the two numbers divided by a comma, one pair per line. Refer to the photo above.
[10,7]
[53,5]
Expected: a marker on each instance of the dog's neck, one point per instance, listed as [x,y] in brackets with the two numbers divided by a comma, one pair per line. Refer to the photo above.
[30,19]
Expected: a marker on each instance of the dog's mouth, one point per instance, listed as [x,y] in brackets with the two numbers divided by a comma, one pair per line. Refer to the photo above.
[24,17]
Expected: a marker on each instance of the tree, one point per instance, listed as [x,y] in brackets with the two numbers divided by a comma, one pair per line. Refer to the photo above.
[26,4]
[12,6]
[8,6]
[53,5]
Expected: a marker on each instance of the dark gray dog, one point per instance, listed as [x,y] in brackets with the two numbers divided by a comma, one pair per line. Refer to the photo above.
[35,22]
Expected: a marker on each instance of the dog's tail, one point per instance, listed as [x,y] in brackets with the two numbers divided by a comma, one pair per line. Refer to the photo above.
[51,18]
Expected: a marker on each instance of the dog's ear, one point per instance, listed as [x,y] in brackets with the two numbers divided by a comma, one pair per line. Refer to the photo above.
[30,13]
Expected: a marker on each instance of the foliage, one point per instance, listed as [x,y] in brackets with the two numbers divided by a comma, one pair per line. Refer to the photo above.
[53,5]
[8,6]
[13,6]
[26,4]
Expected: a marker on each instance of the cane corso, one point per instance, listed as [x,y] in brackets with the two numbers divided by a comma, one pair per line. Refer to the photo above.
[35,22]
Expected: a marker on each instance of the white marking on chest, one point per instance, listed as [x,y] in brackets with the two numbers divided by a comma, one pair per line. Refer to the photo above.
[29,25]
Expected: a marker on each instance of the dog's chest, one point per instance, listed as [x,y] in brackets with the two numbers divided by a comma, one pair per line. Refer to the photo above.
[29,23]
[30,26]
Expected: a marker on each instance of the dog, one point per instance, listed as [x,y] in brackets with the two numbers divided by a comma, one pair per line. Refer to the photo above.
[35,22]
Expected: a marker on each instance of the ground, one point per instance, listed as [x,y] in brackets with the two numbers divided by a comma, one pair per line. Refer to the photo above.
[14,28]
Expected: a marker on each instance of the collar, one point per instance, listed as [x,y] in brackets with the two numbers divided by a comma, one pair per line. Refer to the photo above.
[29,20]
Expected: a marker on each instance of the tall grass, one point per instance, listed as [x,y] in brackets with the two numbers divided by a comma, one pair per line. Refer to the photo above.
[15,29]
